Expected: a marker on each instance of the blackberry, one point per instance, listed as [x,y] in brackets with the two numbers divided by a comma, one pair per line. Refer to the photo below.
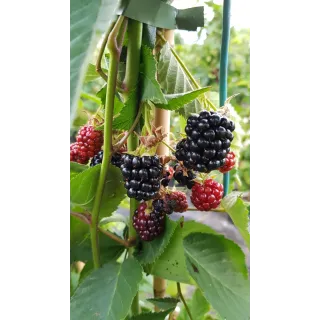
[184,180]
[208,141]
[230,162]
[116,159]
[142,176]
[89,140]
[97,159]
[167,177]
[176,201]
[148,225]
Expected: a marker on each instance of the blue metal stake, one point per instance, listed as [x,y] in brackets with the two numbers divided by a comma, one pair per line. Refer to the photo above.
[223,82]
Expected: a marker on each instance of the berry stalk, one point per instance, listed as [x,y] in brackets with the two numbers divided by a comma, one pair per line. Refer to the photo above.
[114,49]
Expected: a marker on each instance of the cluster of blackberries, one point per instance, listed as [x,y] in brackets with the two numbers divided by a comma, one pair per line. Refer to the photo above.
[208,141]
[181,178]
[142,176]
[148,225]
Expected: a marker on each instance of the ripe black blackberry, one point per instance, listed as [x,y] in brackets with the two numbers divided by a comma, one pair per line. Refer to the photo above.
[116,159]
[142,176]
[181,178]
[97,159]
[208,141]
[148,225]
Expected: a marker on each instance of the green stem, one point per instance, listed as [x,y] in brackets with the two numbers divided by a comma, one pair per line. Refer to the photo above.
[184,301]
[147,120]
[131,85]
[170,148]
[88,96]
[107,136]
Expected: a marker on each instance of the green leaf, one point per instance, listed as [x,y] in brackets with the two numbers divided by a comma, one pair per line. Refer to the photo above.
[238,212]
[218,267]
[152,315]
[193,226]
[114,192]
[171,264]
[85,17]
[74,281]
[150,87]
[92,74]
[173,80]
[163,15]
[76,168]
[149,35]
[118,104]
[178,100]
[80,244]
[150,251]
[107,293]
[127,114]
[83,187]
[164,303]
[198,306]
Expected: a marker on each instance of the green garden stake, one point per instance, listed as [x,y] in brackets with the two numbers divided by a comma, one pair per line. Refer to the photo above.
[224,71]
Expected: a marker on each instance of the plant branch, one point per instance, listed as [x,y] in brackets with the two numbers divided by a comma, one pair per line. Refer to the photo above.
[120,28]
[119,144]
[115,238]
[186,70]
[107,136]
[169,147]
[82,217]
[101,52]
[184,301]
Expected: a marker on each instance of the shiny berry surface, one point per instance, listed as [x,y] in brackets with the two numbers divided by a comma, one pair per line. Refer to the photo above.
[149,225]
[207,196]
[229,163]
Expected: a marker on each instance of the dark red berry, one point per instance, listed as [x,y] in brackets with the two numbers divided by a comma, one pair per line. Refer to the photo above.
[207,196]
[88,144]
[76,155]
[148,225]
[230,162]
